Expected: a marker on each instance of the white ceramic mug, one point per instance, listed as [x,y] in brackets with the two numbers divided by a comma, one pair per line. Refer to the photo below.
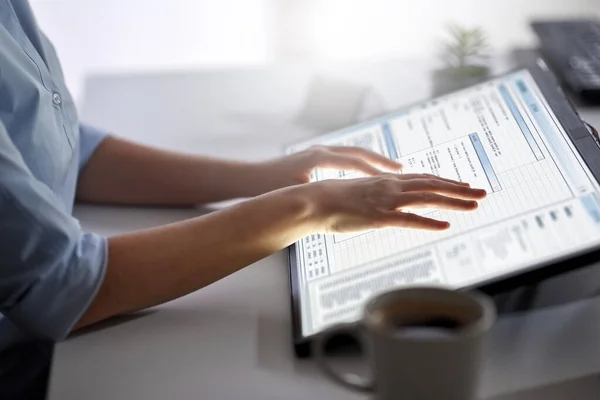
[422,343]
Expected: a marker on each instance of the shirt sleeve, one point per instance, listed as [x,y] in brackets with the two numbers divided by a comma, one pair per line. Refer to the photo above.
[50,270]
[89,140]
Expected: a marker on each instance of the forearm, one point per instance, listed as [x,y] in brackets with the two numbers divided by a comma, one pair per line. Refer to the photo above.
[121,172]
[154,266]
[157,265]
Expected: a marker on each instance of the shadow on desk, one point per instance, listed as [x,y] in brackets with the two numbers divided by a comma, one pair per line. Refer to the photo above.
[111,322]
[584,388]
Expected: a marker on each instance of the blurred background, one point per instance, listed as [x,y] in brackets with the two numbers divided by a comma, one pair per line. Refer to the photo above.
[209,75]
[140,35]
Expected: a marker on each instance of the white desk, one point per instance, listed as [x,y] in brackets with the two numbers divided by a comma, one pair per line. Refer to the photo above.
[232,339]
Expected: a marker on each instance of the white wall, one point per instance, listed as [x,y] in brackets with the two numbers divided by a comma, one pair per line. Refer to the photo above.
[139,35]
[125,35]
[343,29]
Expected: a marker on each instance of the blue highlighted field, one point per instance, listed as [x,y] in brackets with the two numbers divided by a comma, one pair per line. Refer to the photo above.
[389,141]
[521,122]
[551,132]
[590,205]
[485,163]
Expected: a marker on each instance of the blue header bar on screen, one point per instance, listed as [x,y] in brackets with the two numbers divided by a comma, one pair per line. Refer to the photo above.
[552,134]
[521,122]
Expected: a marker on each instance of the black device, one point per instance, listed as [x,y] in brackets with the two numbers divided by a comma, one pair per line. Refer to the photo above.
[516,135]
[572,49]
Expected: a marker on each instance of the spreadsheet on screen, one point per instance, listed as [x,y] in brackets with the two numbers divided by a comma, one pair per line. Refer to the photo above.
[501,136]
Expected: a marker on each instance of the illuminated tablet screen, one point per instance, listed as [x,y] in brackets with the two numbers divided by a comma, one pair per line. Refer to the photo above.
[501,136]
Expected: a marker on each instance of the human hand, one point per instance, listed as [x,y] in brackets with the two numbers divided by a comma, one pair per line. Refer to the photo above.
[346,205]
[295,169]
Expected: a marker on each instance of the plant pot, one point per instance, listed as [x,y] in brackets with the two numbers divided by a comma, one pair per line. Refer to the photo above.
[450,79]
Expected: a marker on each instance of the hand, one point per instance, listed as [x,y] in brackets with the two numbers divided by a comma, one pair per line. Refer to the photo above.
[295,169]
[347,205]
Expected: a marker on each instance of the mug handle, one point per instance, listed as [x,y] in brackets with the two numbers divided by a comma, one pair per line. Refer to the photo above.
[348,380]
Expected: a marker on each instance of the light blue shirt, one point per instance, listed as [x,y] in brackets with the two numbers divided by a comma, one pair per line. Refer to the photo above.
[50,269]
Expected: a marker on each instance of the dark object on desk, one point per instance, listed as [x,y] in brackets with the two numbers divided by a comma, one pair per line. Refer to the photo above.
[572,49]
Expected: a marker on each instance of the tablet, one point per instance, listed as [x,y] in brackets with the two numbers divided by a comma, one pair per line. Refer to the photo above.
[518,137]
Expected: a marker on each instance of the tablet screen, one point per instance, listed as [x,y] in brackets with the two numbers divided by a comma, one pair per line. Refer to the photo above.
[501,136]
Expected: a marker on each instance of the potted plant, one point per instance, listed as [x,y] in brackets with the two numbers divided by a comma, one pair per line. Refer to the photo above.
[465,59]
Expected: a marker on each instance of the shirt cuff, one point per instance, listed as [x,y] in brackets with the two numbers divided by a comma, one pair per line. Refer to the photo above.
[62,295]
[89,140]
[96,247]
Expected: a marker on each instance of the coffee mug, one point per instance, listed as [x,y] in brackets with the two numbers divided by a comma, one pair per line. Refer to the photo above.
[422,343]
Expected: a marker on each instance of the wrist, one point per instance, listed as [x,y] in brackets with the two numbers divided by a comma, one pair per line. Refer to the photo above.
[257,178]
[305,203]
[314,198]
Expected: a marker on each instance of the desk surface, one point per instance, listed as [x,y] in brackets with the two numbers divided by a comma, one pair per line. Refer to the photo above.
[232,339]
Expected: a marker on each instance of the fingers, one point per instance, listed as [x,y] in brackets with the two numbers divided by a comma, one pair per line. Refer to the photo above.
[346,162]
[368,156]
[413,221]
[434,200]
[430,176]
[443,187]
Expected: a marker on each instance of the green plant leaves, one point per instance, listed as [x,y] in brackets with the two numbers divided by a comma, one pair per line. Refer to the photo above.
[465,46]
